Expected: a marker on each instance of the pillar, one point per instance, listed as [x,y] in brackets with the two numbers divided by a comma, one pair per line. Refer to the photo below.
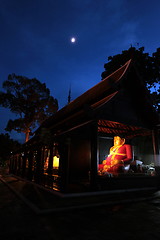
[64,152]
[155,138]
[30,165]
[24,159]
[50,163]
[94,143]
[39,165]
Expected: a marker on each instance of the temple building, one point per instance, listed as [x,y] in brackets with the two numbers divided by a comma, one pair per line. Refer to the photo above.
[106,139]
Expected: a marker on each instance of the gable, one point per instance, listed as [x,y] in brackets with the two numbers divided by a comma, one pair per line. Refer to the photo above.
[121,97]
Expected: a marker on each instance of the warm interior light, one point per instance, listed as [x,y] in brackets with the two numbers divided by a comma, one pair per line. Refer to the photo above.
[55,162]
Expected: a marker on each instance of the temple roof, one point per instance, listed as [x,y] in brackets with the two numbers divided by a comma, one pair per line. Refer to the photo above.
[92,96]
[123,85]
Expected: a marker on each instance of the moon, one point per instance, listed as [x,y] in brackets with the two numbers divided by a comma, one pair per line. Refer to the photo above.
[73,40]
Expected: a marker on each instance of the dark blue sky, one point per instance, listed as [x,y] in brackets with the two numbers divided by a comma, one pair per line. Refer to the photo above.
[35,40]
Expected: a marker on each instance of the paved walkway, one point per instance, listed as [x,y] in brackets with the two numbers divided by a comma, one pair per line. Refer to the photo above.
[19,221]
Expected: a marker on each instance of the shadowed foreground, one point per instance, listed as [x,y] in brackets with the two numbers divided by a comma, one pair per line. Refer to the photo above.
[138,220]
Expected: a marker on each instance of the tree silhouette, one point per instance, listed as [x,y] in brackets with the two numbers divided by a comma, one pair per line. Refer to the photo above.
[148,67]
[30,100]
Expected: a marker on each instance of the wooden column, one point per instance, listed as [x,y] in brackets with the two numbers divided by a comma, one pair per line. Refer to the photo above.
[24,159]
[64,151]
[30,165]
[42,160]
[39,167]
[11,164]
[19,164]
[15,163]
[94,143]
[50,163]
[155,138]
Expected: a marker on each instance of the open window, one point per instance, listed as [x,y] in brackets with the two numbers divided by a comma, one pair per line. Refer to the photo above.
[124,150]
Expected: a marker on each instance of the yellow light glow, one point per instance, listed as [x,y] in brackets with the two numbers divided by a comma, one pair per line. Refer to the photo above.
[55,162]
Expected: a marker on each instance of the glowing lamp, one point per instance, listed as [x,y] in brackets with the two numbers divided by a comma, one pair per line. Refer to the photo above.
[55,162]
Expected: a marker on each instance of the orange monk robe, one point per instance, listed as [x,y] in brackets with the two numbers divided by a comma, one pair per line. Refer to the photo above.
[118,157]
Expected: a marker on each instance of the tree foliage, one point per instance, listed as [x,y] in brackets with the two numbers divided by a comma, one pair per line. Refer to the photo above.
[6,147]
[30,100]
[148,67]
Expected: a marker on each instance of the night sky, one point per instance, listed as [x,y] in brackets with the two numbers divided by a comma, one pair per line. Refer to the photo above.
[35,41]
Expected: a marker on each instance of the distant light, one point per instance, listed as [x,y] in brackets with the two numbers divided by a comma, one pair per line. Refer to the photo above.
[73,39]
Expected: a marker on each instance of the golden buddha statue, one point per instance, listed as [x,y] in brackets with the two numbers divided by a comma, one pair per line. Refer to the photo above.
[120,154]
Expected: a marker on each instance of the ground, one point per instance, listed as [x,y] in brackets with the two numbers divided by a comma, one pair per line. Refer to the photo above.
[20,221]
